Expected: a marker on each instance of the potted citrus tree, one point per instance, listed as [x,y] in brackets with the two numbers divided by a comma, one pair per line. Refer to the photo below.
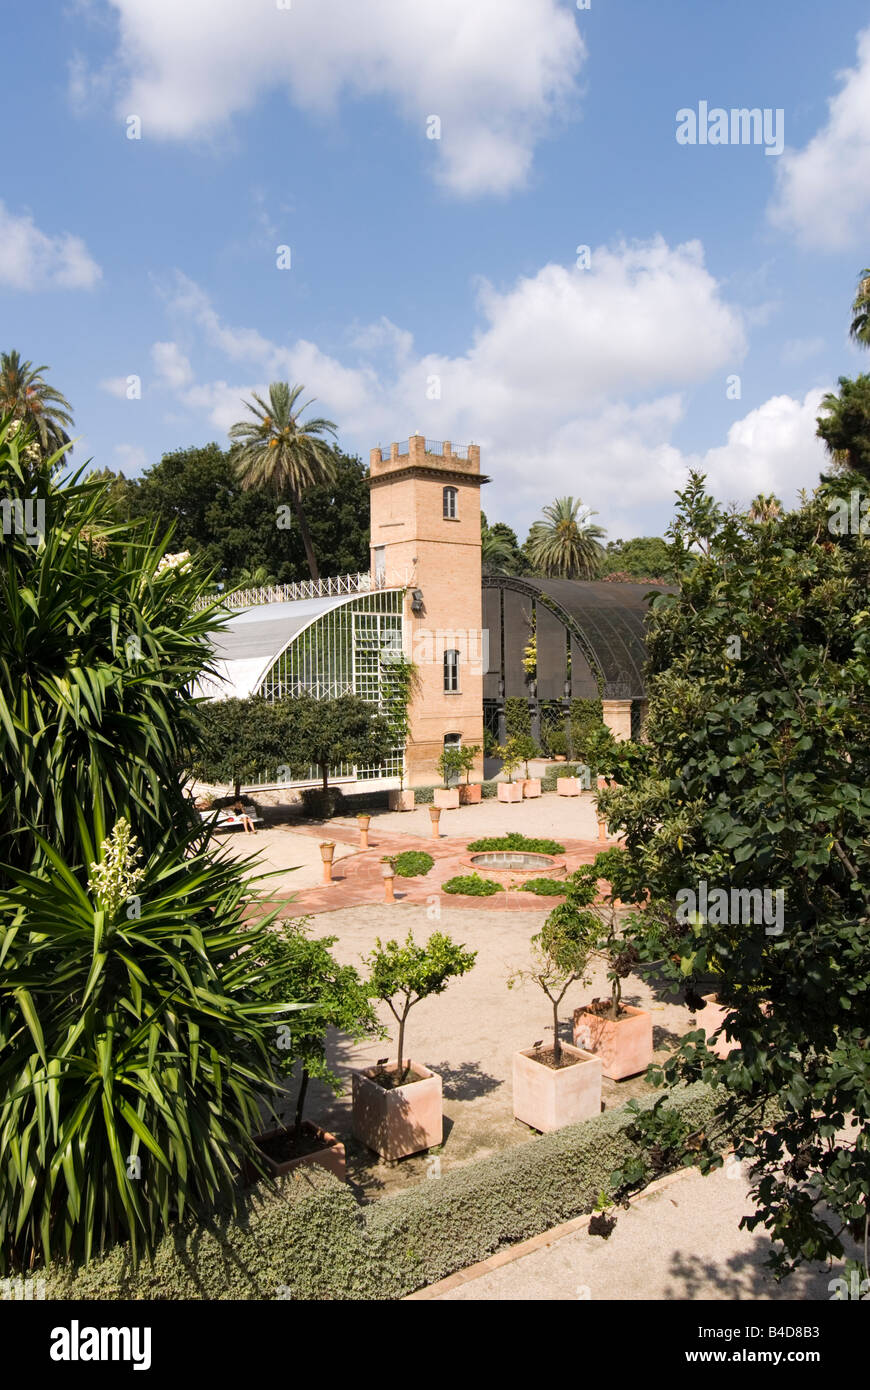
[510,761]
[526,748]
[618,1033]
[334,997]
[469,792]
[560,1084]
[449,765]
[397,1106]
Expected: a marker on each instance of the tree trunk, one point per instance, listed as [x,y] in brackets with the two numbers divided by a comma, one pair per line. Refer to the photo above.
[306,536]
[238,790]
[615,995]
[324,773]
[402,1042]
[557,1046]
[300,1102]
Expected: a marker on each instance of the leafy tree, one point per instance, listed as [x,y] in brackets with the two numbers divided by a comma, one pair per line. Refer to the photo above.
[26,396]
[644,557]
[500,550]
[844,425]
[234,531]
[235,741]
[400,683]
[324,733]
[306,971]
[755,780]
[403,975]
[450,763]
[280,453]
[565,543]
[559,958]
[597,919]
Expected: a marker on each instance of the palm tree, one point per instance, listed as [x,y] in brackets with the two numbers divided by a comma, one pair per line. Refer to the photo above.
[565,543]
[496,556]
[281,453]
[860,329]
[844,425]
[765,507]
[26,396]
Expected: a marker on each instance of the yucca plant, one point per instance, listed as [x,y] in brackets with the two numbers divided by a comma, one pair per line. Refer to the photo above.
[137,1042]
[135,1012]
[99,646]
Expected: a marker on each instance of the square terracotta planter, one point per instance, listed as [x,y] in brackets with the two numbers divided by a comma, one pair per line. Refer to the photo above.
[402,1121]
[510,791]
[331,1156]
[531,787]
[624,1044]
[546,1099]
[567,786]
[447,798]
[401,800]
[470,794]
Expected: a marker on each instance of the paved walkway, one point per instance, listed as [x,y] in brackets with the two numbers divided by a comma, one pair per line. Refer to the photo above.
[680,1241]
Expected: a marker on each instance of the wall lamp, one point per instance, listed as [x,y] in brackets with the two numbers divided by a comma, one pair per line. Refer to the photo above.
[416,600]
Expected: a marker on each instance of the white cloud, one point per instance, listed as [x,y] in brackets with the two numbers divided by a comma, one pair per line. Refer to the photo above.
[575,380]
[31,259]
[496,72]
[132,458]
[116,386]
[772,449]
[823,190]
[172,367]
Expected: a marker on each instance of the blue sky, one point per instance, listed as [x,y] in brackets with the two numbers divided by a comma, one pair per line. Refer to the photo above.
[434,283]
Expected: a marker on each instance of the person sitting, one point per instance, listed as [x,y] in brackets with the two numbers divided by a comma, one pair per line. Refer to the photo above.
[240,810]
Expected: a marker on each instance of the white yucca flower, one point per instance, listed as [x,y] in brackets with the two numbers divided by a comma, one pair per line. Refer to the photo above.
[115,877]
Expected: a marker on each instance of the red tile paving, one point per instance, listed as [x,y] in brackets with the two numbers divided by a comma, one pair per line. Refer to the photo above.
[358,880]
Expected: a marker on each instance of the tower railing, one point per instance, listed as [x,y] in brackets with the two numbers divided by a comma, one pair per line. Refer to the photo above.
[291,593]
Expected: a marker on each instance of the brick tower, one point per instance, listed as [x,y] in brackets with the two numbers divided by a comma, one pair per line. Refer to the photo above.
[425,536]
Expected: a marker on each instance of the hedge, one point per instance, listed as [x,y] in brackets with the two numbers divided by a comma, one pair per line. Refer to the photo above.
[308,1238]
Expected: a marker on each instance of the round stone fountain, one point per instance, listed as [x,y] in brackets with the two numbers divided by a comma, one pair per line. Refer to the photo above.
[517,865]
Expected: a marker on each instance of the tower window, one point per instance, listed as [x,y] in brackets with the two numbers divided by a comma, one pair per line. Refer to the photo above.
[451,672]
[451,503]
[380,563]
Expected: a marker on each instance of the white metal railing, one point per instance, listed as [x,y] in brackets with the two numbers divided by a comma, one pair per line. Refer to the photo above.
[290,593]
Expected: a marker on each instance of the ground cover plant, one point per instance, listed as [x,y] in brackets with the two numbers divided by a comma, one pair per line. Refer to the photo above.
[515,841]
[412,863]
[472,886]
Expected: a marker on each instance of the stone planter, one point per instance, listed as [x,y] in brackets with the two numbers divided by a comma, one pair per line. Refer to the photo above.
[567,786]
[531,787]
[330,1156]
[470,794]
[548,1099]
[447,798]
[624,1044]
[402,1121]
[510,791]
[401,800]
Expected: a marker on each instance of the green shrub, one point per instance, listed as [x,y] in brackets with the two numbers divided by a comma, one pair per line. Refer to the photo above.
[517,717]
[472,886]
[544,887]
[514,840]
[412,863]
[308,1239]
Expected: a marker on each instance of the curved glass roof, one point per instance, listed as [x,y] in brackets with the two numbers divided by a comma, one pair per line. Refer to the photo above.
[254,637]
